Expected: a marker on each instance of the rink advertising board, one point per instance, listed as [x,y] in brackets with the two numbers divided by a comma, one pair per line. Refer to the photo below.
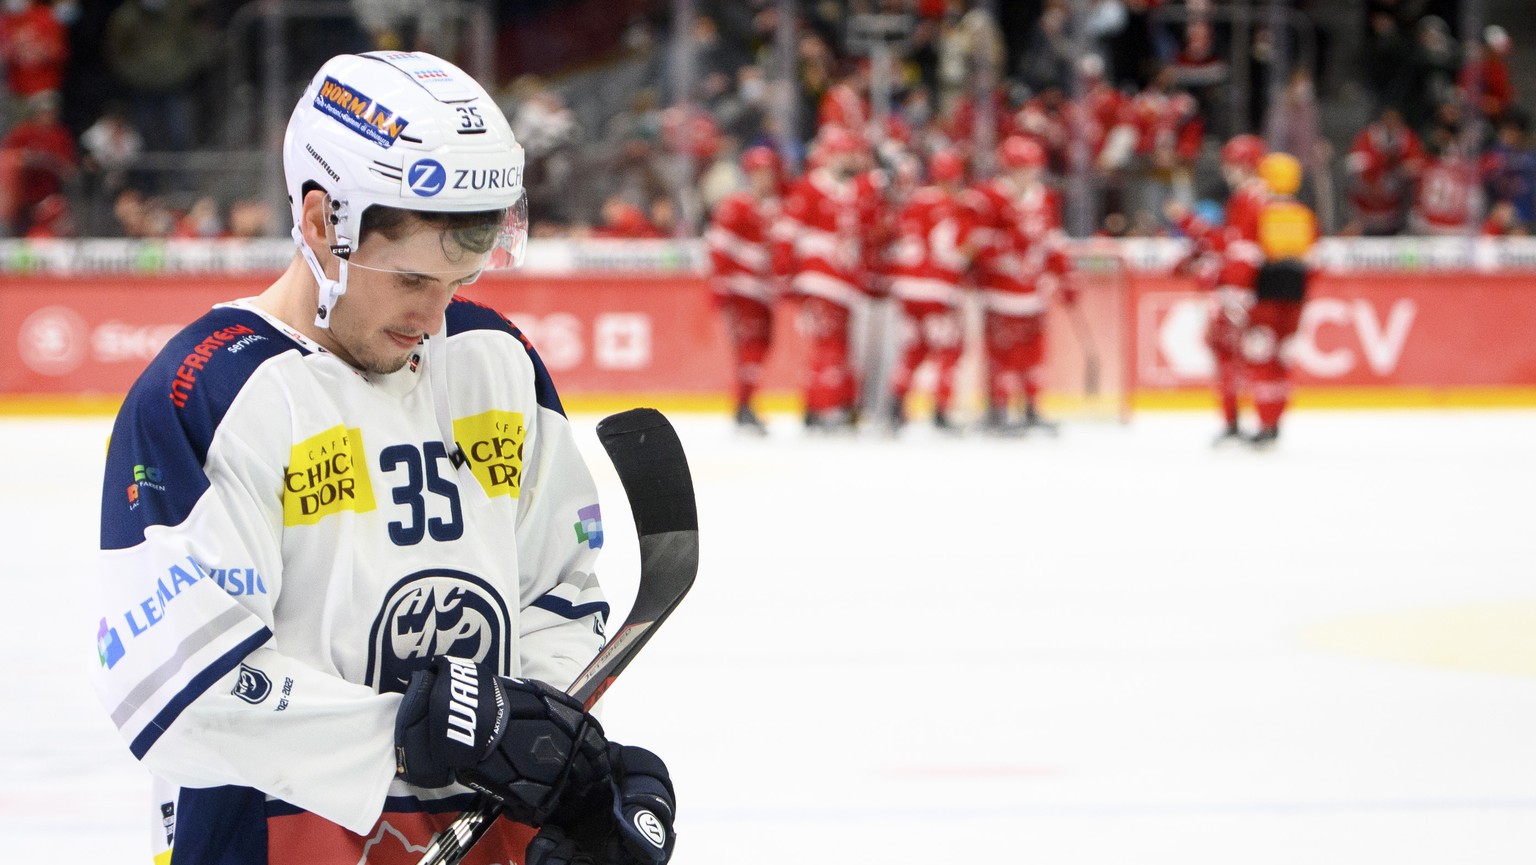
[621,322]
[1426,331]
[91,336]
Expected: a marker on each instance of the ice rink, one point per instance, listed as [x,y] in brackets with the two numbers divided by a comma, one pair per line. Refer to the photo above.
[1118,647]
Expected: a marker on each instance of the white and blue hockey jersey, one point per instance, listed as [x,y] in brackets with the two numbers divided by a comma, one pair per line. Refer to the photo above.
[286,539]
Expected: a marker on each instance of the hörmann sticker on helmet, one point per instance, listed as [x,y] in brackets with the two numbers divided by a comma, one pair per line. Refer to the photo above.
[358,113]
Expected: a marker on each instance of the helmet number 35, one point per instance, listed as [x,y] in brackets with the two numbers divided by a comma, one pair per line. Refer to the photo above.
[469,117]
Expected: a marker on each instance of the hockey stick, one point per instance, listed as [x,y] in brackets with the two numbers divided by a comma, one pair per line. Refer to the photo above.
[1090,351]
[653,469]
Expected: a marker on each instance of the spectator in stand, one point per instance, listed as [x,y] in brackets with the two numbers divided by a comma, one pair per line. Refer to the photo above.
[1169,134]
[1385,65]
[200,222]
[110,146]
[129,211]
[157,49]
[249,217]
[1102,102]
[395,25]
[550,136]
[1509,169]
[51,219]
[1383,163]
[969,44]
[663,216]
[1502,221]
[1138,50]
[1050,50]
[1048,118]
[961,126]
[1484,80]
[34,48]
[630,156]
[1433,67]
[623,220]
[817,69]
[41,159]
[1293,123]
[846,102]
[1448,197]
[1198,69]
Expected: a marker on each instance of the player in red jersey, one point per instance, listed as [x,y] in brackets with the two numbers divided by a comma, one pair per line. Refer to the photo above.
[745,277]
[826,244]
[1448,194]
[1286,232]
[1019,265]
[1225,260]
[1383,162]
[926,264]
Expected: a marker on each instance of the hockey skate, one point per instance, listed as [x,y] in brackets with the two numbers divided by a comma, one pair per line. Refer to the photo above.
[1230,436]
[748,423]
[943,424]
[1032,422]
[1265,439]
[995,422]
[829,422]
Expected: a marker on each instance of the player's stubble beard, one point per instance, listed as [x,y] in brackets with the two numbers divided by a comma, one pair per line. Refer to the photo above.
[369,347]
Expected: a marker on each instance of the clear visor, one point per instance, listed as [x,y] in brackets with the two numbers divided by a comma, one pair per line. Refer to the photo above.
[463,251]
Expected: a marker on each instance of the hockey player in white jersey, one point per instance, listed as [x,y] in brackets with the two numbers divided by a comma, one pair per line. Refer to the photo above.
[347,539]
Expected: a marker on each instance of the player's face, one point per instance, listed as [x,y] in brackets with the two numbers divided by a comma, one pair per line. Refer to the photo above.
[765,181]
[397,291]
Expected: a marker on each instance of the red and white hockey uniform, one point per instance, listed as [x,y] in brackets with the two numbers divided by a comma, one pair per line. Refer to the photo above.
[1382,162]
[926,264]
[745,278]
[741,249]
[1019,266]
[1168,125]
[829,244]
[1448,197]
[1226,259]
[842,106]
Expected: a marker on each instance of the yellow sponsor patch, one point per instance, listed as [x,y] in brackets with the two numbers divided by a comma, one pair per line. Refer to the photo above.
[327,474]
[493,443]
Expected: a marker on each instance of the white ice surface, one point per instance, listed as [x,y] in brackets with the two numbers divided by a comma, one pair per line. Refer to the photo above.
[1084,650]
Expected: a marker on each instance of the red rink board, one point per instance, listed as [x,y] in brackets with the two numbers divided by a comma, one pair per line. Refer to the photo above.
[64,336]
[1395,330]
[640,334]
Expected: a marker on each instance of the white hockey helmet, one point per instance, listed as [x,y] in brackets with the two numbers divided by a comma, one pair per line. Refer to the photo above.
[406,130]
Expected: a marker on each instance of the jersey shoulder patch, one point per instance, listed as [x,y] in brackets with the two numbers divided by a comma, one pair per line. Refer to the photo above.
[465,315]
[168,420]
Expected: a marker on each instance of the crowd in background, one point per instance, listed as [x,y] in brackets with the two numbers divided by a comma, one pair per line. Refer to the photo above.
[1131,98]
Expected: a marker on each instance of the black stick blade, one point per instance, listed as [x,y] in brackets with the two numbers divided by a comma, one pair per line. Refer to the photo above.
[649,458]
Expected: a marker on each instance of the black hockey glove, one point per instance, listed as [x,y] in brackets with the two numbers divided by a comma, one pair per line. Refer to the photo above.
[631,825]
[519,740]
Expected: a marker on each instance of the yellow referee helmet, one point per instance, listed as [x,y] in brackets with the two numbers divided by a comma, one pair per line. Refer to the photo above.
[1281,172]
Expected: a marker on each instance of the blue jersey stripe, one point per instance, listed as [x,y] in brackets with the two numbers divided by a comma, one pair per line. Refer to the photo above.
[565,609]
[194,689]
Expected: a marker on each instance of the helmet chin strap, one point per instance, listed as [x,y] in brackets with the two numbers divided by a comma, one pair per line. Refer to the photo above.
[331,290]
